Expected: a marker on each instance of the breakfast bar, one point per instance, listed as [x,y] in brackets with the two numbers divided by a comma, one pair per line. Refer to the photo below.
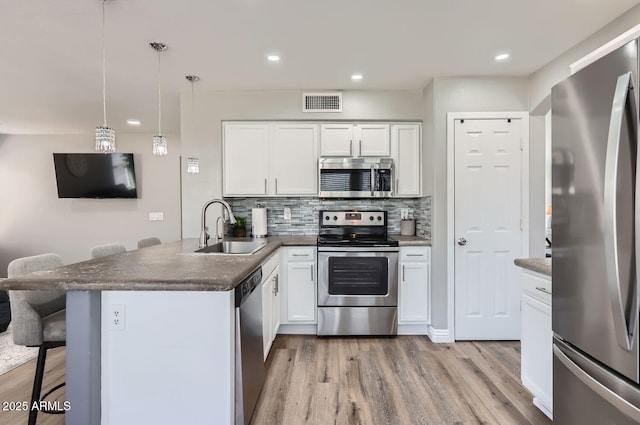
[171,358]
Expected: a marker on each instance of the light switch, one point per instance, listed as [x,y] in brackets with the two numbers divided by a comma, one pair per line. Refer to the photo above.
[287,213]
[156,216]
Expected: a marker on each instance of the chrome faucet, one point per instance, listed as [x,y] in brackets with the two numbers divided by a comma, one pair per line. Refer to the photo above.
[204,230]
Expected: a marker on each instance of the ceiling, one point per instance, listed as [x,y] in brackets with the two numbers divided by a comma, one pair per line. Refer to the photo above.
[50,55]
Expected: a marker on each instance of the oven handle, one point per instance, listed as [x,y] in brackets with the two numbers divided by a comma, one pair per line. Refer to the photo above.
[358,249]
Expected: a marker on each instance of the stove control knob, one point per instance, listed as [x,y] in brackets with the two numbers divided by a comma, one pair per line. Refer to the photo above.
[371,218]
[326,217]
[379,218]
[335,217]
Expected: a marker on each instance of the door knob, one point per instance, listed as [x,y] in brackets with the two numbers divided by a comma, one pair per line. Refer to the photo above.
[462,241]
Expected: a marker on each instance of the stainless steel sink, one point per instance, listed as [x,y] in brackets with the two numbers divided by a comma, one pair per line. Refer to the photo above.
[233,247]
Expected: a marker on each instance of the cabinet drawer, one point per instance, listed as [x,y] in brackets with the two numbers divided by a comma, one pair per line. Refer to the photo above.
[414,253]
[537,286]
[301,254]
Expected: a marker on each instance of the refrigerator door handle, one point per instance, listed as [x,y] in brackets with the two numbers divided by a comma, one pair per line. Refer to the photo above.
[624,331]
[611,397]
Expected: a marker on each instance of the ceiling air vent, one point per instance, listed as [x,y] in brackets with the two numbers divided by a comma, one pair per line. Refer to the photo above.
[321,102]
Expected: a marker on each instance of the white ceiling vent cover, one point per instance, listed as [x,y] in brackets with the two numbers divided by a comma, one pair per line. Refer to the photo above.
[322,102]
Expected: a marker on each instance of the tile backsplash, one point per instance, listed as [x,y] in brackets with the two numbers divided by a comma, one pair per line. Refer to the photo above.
[305,212]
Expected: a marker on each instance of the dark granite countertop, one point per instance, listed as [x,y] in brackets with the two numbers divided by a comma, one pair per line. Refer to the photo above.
[411,240]
[539,265]
[167,267]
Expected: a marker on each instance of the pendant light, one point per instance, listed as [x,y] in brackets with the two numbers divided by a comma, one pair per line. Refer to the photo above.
[193,166]
[159,141]
[105,135]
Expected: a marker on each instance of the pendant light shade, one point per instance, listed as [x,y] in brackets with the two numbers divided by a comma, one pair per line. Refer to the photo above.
[105,135]
[193,165]
[159,141]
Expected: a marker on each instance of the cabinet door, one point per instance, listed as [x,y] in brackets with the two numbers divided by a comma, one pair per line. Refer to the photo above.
[246,159]
[536,350]
[405,147]
[294,159]
[414,290]
[372,140]
[275,305]
[267,313]
[336,140]
[301,292]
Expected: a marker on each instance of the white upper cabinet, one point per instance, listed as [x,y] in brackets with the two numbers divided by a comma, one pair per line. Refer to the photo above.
[354,140]
[405,151]
[281,158]
[245,151]
[372,139]
[336,140]
[265,159]
[294,159]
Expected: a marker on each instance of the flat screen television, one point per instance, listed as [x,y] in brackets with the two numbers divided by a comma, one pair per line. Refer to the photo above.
[95,175]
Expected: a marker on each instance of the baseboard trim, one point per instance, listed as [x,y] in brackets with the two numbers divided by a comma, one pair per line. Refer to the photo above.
[413,329]
[309,329]
[439,335]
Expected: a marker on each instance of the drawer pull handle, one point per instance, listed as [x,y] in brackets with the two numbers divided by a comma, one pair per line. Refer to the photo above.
[415,255]
[541,289]
[299,255]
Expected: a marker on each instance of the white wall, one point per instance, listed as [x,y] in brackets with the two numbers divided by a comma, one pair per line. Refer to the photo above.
[204,139]
[34,221]
[557,70]
[460,95]
[428,135]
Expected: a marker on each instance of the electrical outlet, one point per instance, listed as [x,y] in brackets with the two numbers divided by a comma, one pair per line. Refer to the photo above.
[156,216]
[116,317]
[404,213]
[287,213]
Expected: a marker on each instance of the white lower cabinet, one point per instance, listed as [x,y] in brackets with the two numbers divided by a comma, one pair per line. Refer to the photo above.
[270,303]
[298,288]
[414,288]
[537,340]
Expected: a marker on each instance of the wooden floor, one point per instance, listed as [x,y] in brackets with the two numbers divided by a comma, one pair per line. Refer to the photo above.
[16,386]
[405,380]
[370,381]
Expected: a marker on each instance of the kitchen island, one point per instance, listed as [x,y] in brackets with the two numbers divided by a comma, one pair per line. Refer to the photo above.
[171,358]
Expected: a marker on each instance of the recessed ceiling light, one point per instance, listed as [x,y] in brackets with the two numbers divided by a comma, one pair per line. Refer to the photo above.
[356,77]
[134,123]
[502,57]
[273,58]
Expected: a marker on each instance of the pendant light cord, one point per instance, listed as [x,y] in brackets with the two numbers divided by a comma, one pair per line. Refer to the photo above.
[193,117]
[159,100]
[104,67]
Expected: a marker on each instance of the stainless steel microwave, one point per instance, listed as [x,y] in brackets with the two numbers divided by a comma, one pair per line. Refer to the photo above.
[355,178]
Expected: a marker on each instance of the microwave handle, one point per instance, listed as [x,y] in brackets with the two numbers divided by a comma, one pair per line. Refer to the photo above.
[373,179]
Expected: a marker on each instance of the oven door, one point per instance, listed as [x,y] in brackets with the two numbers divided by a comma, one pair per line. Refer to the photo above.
[358,278]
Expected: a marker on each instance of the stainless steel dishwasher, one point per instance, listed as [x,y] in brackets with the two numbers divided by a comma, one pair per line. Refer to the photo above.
[250,371]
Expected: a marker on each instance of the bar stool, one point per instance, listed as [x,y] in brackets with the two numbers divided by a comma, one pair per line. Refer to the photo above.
[107,249]
[143,243]
[39,320]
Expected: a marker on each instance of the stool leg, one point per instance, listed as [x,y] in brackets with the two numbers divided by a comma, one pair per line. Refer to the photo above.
[37,384]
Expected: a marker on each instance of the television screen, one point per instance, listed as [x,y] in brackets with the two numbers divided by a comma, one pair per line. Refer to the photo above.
[95,175]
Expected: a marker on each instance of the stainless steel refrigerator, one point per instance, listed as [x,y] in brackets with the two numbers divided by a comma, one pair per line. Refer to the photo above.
[595,235]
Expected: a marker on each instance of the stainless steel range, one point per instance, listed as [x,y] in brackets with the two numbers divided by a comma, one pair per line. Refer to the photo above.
[357,274]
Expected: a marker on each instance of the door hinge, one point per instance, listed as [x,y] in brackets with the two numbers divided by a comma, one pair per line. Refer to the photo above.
[521,225]
[521,145]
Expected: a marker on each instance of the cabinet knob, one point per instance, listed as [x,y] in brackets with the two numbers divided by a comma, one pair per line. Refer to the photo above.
[462,241]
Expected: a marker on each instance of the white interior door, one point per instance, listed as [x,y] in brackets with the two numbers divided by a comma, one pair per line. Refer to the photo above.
[488,228]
